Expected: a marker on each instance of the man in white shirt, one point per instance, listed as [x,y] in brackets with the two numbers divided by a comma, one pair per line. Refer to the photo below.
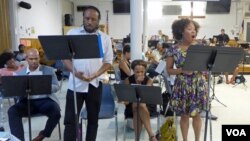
[88,76]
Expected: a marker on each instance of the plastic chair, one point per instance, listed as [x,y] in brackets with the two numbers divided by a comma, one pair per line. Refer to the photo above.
[108,108]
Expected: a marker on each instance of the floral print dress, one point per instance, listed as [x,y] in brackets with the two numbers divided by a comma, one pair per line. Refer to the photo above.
[189,95]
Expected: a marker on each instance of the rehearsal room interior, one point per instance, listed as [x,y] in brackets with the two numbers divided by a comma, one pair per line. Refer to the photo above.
[59,35]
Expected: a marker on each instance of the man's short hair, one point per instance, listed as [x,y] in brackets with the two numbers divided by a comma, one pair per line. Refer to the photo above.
[93,8]
[20,46]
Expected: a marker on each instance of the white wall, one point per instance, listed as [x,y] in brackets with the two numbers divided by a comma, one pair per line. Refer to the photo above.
[119,25]
[44,18]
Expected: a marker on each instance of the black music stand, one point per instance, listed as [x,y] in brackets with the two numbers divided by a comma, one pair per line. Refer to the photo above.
[138,94]
[211,59]
[152,43]
[59,47]
[26,86]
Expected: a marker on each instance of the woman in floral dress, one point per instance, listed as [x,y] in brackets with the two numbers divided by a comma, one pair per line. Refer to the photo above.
[189,95]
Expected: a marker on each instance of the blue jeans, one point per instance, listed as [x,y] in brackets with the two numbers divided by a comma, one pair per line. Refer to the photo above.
[45,106]
[93,103]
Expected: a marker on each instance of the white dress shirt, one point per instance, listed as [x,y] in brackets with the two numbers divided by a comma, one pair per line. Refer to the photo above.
[90,66]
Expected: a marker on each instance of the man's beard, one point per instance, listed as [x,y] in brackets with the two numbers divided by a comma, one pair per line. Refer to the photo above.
[90,30]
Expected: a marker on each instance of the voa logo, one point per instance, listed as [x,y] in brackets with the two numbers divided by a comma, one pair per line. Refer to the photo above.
[236,132]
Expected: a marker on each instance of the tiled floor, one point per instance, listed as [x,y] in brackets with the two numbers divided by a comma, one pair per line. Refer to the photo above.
[236,111]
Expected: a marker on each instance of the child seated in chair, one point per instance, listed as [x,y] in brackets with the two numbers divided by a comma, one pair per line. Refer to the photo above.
[139,77]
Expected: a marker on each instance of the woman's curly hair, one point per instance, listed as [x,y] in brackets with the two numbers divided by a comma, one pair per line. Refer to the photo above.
[179,26]
[5,57]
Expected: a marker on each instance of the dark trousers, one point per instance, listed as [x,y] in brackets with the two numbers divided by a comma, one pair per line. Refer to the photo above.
[45,106]
[93,103]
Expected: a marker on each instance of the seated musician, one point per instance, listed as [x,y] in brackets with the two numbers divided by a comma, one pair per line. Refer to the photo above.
[43,104]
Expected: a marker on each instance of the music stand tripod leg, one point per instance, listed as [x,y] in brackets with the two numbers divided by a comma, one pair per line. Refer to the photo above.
[30,134]
[211,136]
[138,119]
[28,91]
[208,110]
[210,121]
[213,97]
[78,137]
